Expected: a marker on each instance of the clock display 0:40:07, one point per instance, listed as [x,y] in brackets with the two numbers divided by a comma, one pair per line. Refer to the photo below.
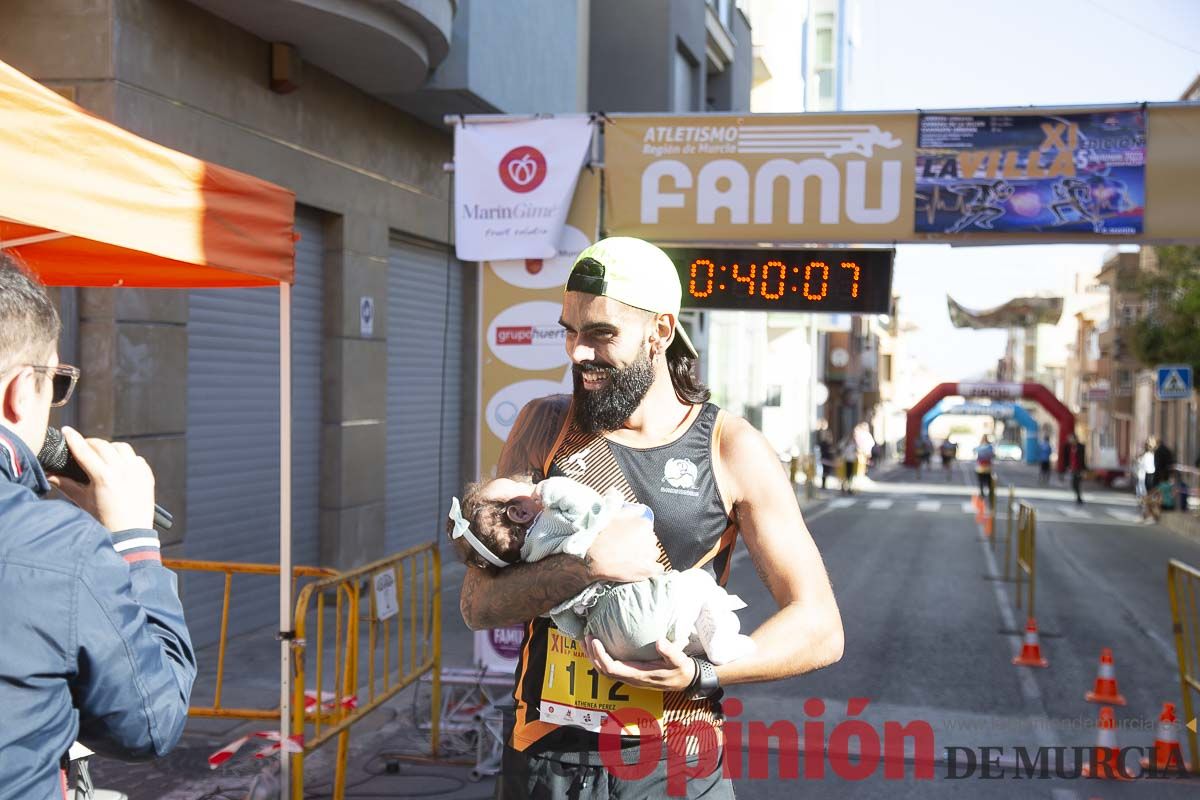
[827,280]
[768,280]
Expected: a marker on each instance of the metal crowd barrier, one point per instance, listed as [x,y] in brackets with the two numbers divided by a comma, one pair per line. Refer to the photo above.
[1183,587]
[403,603]
[1026,554]
[1008,531]
[229,569]
[403,594]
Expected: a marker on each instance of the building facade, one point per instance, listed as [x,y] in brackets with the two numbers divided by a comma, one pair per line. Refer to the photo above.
[342,103]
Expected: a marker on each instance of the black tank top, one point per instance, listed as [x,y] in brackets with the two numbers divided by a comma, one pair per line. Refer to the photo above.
[677,482]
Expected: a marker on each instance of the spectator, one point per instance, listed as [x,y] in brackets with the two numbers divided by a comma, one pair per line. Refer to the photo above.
[1044,452]
[850,458]
[1144,469]
[1076,463]
[949,451]
[828,461]
[95,645]
[1164,461]
[985,454]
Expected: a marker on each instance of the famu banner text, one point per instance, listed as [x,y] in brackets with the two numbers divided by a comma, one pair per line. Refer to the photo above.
[1093,174]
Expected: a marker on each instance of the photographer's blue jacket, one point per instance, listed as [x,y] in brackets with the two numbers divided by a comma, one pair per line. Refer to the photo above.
[93,644]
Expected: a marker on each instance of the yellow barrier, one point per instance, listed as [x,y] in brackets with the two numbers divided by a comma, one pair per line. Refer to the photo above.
[1183,586]
[810,477]
[229,569]
[1026,553]
[353,694]
[1008,528]
[1008,536]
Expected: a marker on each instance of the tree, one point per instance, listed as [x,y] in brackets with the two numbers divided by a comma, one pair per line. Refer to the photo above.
[1169,331]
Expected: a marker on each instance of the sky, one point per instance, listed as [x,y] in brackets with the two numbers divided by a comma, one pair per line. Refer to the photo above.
[931,54]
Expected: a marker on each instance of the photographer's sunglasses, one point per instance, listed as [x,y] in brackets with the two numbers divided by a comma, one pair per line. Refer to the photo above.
[64,378]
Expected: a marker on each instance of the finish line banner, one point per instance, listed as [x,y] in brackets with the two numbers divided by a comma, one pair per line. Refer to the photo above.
[760,178]
[513,184]
[1082,173]
[986,176]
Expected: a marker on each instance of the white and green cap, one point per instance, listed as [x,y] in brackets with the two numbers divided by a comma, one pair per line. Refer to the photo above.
[636,273]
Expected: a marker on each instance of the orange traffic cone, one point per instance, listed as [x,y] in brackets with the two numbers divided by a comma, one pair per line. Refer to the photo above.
[988,524]
[1105,690]
[1031,651]
[1106,756]
[1168,756]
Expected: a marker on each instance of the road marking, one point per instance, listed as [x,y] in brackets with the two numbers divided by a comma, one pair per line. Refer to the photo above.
[929,505]
[1124,516]
[879,505]
[1073,513]
[968,508]
[842,502]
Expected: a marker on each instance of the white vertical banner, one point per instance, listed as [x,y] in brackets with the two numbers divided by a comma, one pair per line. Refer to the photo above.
[513,184]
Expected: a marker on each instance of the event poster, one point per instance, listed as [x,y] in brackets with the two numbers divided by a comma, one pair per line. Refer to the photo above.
[524,349]
[1082,173]
[513,184]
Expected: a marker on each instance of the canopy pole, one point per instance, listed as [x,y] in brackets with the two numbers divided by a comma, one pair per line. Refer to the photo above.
[285,532]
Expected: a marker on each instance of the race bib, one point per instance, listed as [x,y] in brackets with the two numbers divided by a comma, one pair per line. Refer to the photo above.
[575,693]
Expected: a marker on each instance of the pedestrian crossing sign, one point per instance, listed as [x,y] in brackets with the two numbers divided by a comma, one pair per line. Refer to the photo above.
[1174,382]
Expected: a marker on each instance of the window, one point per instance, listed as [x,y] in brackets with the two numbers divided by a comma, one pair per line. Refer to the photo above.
[687,78]
[885,370]
[825,84]
[774,397]
[825,46]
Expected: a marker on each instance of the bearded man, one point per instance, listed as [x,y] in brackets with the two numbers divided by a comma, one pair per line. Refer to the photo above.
[639,421]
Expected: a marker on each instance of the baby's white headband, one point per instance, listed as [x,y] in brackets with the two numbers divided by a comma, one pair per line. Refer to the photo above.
[462,528]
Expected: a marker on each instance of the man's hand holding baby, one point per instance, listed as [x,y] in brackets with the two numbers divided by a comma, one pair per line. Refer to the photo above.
[625,552]
[672,672]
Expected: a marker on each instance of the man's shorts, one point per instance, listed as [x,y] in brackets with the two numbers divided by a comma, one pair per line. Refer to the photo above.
[528,777]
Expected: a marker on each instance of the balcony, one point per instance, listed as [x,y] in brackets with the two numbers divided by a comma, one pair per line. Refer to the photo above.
[384,47]
[719,45]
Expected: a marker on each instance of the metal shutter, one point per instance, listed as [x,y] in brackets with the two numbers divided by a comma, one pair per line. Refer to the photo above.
[233,436]
[425,389]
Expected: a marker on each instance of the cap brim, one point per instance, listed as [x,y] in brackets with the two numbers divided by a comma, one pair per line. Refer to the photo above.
[682,343]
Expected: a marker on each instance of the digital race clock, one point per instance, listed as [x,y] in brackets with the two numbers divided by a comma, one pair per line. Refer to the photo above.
[854,281]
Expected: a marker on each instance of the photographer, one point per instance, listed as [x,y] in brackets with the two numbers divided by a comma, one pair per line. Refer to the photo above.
[93,644]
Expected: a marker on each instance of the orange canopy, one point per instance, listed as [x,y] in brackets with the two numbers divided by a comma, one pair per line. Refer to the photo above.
[86,203]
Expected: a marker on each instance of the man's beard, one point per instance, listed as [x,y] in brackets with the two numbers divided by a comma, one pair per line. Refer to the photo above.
[609,407]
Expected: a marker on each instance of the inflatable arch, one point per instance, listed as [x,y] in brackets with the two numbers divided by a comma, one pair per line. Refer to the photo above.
[995,391]
[1005,411]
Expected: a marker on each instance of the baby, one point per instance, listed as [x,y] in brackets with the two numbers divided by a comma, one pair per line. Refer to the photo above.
[506,520]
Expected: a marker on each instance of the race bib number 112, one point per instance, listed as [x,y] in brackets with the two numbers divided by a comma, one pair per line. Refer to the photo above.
[575,693]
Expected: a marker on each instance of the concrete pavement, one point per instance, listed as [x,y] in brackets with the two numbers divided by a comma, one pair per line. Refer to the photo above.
[925,634]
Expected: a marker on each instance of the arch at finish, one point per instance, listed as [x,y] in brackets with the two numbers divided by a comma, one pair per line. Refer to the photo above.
[996,391]
[1007,411]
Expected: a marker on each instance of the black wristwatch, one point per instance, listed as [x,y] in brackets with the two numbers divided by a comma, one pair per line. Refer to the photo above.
[705,684]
